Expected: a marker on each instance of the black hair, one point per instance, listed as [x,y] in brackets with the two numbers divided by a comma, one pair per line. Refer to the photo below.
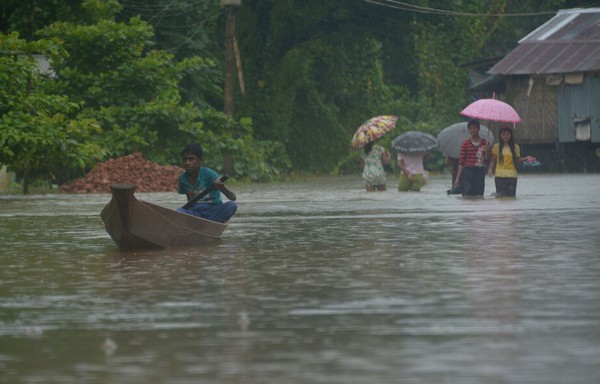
[193,149]
[511,144]
[474,122]
[368,147]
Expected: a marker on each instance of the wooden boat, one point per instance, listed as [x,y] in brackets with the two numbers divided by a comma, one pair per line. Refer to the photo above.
[134,223]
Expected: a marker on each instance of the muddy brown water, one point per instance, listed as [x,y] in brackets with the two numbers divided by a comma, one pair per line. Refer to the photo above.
[314,282]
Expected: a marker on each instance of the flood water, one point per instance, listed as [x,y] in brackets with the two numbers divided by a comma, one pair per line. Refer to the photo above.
[314,282]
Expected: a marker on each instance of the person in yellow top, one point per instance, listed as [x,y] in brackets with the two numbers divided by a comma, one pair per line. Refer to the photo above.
[505,156]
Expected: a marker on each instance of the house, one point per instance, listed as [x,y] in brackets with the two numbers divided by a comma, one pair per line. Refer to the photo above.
[552,79]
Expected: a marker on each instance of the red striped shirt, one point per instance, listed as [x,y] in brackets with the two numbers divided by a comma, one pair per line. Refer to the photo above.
[471,155]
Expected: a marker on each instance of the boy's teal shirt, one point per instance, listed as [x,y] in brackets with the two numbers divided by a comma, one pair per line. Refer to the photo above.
[206,177]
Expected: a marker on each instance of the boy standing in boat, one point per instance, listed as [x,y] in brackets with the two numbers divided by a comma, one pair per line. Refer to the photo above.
[197,178]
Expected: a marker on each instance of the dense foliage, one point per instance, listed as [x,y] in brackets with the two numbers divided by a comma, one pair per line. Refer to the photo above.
[148,76]
[109,94]
[36,134]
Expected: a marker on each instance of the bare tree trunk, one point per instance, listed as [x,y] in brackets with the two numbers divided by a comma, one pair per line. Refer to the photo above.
[26,179]
[229,71]
[31,30]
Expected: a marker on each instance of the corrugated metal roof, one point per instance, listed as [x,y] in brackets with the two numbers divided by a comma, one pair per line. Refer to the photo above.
[569,42]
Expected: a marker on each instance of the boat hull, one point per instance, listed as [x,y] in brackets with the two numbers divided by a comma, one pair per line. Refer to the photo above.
[136,224]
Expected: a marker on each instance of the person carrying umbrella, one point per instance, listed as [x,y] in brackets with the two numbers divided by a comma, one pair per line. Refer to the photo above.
[411,166]
[451,139]
[471,162]
[505,156]
[412,147]
[372,159]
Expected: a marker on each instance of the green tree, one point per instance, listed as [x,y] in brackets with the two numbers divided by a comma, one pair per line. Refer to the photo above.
[27,16]
[314,69]
[463,32]
[185,30]
[37,137]
[313,75]
[133,90]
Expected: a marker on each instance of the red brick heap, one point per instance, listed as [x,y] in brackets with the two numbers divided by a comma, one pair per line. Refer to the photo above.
[130,169]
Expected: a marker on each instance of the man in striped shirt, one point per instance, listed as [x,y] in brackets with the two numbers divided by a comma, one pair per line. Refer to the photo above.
[471,163]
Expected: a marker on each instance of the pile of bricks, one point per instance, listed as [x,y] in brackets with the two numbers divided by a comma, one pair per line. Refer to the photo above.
[130,169]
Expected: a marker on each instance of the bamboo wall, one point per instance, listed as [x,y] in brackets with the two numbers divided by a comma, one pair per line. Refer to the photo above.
[538,108]
[547,111]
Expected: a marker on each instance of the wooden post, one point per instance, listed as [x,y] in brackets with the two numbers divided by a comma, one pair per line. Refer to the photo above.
[229,59]
[230,68]
[238,65]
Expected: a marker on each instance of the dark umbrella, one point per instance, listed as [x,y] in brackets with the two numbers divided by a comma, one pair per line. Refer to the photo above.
[414,141]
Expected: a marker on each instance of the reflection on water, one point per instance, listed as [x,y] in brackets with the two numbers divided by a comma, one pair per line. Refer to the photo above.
[315,282]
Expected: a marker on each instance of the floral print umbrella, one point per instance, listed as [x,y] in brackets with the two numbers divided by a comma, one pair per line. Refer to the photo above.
[372,129]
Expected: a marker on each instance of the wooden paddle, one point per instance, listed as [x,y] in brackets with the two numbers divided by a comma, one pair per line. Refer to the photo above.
[196,198]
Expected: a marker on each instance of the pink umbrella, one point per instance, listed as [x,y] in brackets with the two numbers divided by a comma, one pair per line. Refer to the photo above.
[492,109]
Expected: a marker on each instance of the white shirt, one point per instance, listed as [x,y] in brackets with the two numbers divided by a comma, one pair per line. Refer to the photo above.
[413,162]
